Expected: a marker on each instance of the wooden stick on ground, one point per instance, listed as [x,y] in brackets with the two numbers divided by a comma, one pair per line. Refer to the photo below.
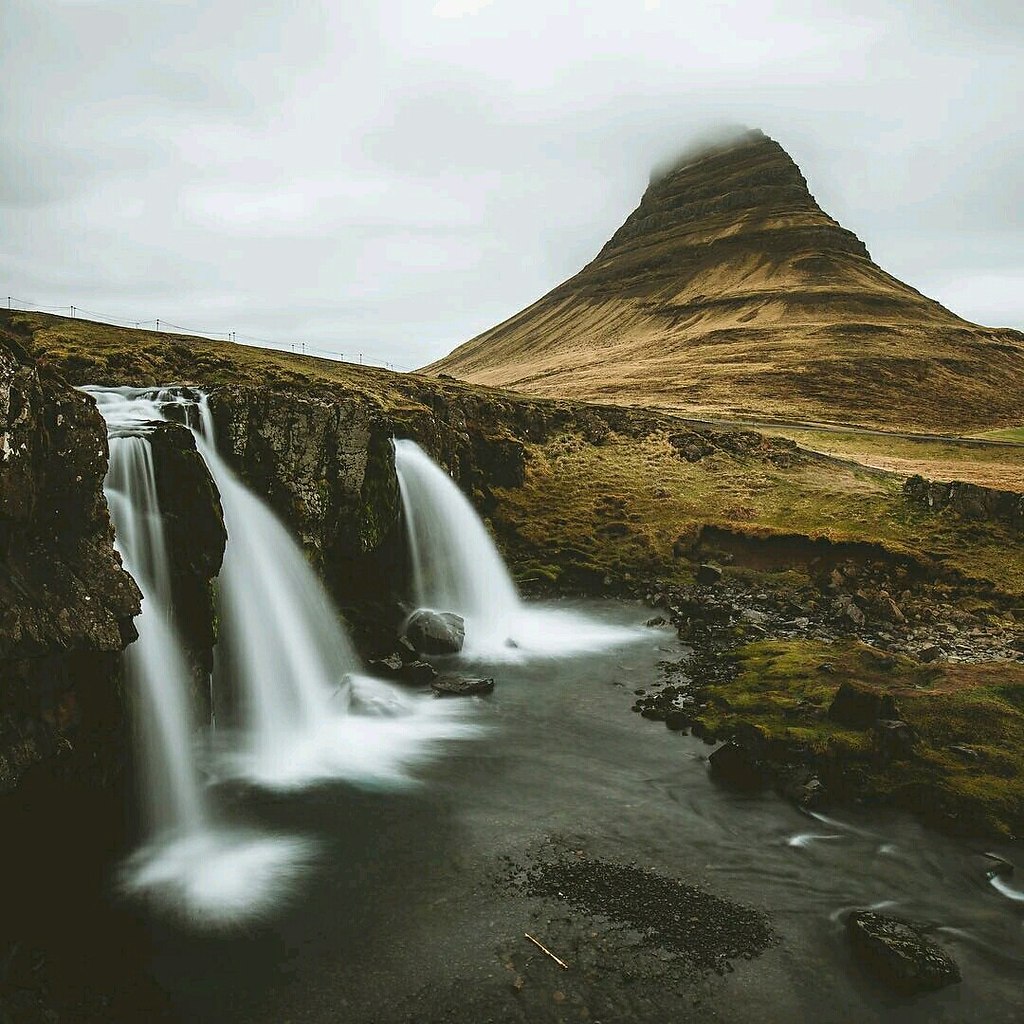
[544,949]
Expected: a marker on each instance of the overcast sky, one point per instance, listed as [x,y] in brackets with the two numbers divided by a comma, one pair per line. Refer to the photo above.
[395,177]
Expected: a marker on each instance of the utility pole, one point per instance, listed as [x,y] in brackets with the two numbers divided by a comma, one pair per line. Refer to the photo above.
[72,312]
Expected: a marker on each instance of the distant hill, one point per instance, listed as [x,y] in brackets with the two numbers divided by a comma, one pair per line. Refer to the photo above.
[728,291]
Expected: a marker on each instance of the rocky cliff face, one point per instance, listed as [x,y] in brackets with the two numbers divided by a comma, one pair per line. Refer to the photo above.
[325,465]
[195,535]
[729,290]
[970,501]
[66,608]
[66,605]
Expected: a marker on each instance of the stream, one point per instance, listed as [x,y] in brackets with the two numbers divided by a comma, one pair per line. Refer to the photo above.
[405,913]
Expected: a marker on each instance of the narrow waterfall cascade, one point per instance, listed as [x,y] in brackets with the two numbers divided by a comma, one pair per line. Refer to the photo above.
[455,564]
[188,860]
[456,567]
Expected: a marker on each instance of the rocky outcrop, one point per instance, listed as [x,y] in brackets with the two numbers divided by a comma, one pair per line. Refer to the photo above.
[462,686]
[195,536]
[970,501]
[66,604]
[858,706]
[730,290]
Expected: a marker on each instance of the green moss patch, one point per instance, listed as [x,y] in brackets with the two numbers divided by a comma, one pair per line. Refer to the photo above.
[968,720]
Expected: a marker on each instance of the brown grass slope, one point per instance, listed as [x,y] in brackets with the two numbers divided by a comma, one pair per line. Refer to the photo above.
[728,290]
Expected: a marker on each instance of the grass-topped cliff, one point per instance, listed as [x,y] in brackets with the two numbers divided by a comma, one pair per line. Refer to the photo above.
[604,489]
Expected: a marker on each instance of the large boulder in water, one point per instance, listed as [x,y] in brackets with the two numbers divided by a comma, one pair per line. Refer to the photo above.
[899,954]
[436,632]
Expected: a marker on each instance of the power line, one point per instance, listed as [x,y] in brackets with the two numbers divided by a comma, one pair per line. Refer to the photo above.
[297,348]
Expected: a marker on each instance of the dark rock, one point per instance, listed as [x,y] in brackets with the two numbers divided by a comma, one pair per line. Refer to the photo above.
[930,654]
[677,721]
[967,753]
[405,650]
[752,738]
[417,673]
[858,706]
[847,608]
[734,765]
[658,620]
[436,632]
[195,536]
[326,466]
[461,686]
[387,667]
[971,501]
[708,574]
[805,789]
[894,739]
[886,609]
[899,954]
[66,604]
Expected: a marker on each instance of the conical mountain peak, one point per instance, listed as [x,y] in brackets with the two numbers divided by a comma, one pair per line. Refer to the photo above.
[729,290]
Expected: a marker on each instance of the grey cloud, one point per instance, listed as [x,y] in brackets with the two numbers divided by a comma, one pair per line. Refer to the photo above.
[369,175]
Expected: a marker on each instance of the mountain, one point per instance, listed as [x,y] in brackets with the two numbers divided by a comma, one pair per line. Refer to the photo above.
[729,291]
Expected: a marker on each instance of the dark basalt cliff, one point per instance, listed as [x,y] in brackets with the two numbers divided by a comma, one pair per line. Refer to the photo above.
[195,537]
[66,605]
[326,466]
[729,290]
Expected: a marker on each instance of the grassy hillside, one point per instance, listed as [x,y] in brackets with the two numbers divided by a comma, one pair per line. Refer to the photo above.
[627,507]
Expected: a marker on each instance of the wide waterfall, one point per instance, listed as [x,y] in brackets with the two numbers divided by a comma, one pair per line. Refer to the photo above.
[456,567]
[309,712]
[199,867]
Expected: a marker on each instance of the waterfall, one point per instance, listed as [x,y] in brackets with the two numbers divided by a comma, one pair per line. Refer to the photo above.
[281,637]
[198,867]
[455,564]
[308,711]
[155,670]
[456,567]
